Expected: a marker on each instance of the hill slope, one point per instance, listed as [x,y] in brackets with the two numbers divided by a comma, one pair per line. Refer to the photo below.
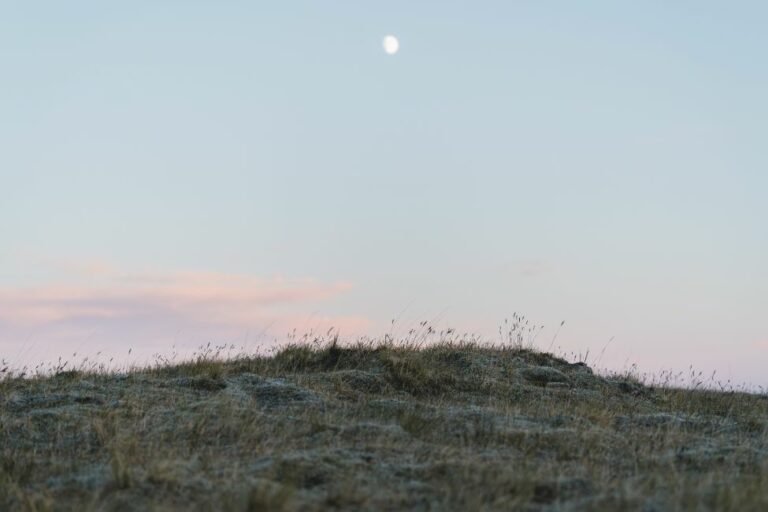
[378,427]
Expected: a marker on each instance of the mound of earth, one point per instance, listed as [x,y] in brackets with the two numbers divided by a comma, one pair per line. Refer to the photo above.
[455,426]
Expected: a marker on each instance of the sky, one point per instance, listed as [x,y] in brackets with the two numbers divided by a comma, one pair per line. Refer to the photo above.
[174,173]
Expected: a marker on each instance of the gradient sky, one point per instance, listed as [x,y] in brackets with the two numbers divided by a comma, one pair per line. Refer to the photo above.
[183,172]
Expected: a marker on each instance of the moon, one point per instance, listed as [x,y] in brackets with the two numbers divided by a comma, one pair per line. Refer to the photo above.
[391,45]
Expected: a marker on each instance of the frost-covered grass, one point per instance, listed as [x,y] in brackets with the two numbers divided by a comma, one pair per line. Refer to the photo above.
[378,426]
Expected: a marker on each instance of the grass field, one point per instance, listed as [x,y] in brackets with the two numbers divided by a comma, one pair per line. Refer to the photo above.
[378,426]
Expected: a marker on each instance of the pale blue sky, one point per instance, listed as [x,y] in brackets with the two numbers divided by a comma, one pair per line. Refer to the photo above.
[602,163]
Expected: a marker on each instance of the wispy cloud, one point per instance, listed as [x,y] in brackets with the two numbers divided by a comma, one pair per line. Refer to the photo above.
[110,310]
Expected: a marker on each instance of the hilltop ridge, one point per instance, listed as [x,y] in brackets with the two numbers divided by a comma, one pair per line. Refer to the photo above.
[378,426]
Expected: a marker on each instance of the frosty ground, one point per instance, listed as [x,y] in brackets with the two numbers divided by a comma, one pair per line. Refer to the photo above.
[378,426]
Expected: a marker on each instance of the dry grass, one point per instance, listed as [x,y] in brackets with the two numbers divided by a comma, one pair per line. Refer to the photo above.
[378,426]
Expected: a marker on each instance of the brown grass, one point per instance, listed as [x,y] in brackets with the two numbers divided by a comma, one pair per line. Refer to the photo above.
[378,426]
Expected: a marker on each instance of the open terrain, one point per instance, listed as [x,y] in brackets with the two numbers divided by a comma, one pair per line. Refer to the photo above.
[378,426]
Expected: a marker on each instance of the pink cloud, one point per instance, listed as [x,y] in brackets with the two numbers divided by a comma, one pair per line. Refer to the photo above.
[218,296]
[155,311]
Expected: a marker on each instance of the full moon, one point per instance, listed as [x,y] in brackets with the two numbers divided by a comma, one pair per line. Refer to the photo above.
[391,45]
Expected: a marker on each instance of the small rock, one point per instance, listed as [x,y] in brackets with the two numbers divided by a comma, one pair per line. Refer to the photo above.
[581,367]
[358,380]
[277,392]
[543,375]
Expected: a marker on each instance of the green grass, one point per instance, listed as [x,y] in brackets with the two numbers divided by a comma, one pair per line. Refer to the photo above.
[378,426]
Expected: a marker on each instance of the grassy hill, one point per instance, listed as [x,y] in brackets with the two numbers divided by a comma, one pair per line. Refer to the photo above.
[454,426]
